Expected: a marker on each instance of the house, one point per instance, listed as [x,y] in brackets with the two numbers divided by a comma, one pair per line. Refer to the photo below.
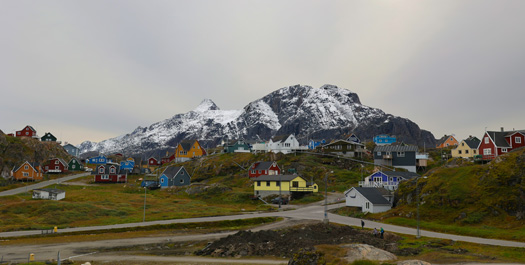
[496,143]
[384,139]
[353,138]
[186,150]
[368,199]
[396,156]
[153,162]
[72,150]
[292,185]
[174,176]
[48,137]
[109,173]
[313,144]
[344,148]
[467,148]
[99,160]
[446,141]
[264,168]
[56,165]
[284,144]
[239,146]
[75,165]
[128,165]
[49,194]
[387,179]
[28,131]
[27,171]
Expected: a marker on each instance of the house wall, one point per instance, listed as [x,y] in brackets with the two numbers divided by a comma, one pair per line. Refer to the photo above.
[407,162]
[272,170]
[516,140]
[464,151]
[30,173]
[114,178]
[355,199]
[262,189]
[26,132]
[51,166]
[75,166]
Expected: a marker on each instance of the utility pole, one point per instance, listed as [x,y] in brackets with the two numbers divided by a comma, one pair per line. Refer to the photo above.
[325,220]
[418,233]
[144,216]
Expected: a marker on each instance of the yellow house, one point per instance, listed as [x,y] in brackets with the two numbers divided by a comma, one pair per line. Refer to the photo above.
[284,184]
[188,149]
[467,148]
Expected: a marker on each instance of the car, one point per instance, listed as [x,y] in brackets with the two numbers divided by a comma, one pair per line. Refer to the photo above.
[283,200]
[150,184]
[88,169]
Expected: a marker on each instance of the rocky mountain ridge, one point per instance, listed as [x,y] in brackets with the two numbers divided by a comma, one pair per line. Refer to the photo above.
[310,113]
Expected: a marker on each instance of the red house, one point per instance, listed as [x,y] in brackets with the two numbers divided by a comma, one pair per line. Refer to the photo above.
[496,143]
[56,165]
[28,131]
[153,162]
[110,173]
[264,168]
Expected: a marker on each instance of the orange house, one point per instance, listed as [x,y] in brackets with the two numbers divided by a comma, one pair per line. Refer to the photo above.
[28,171]
[188,149]
[446,141]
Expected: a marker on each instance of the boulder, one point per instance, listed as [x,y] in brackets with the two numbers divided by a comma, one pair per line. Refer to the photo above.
[366,252]
[412,262]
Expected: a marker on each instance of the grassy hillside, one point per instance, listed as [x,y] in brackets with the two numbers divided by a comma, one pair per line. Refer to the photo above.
[484,200]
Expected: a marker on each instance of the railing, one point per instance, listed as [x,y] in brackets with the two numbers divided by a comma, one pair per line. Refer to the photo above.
[378,184]
[302,189]
[387,156]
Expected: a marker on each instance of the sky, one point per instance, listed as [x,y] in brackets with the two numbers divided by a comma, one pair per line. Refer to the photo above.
[94,70]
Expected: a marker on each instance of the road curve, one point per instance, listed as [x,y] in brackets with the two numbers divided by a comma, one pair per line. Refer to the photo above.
[315,212]
[41,184]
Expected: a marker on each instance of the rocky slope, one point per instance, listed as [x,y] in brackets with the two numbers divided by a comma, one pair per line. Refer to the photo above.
[327,112]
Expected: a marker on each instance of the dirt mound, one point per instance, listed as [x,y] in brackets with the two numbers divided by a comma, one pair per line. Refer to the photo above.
[284,243]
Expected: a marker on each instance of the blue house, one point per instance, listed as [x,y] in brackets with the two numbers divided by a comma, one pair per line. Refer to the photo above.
[312,144]
[128,164]
[384,139]
[72,150]
[387,179]
[99,160]
[174,176]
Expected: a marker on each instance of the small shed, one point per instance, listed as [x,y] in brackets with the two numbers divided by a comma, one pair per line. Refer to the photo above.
[368,199]
[49,194]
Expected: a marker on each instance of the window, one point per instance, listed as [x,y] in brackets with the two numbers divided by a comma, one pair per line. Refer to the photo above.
[258,183]
[182,181]
[466,151]
[517,139]
[56,162]
[162,180]
[112,170]
[475,151]
[101,170]
[378,179]
[106,177]
[295,184]
[459,152]
[278,183]
[462,144]
[253,171]
[268,183]
[400,154]
[57,168]
[26,167]
[25,174]
[487,151]
[367,205]
[378,153]
[487,140]
[503,150]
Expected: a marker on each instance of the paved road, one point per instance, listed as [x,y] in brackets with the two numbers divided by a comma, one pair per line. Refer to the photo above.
[315,212]
[41,184]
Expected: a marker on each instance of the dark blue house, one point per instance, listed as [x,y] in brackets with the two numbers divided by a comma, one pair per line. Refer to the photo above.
[99,160]
[399,156]
[174,176]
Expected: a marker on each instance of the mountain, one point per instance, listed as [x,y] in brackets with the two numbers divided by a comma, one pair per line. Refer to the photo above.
[309,113]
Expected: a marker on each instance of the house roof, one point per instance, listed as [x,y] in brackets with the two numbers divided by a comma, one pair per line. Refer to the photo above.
[343,142]
[498,138]
[395,148]
[277,177]
[172,171]
[443,139]
[373,195]
[34,165]
[263,165]
[118,170]
[70,145]
[55,191]
[280,138]
[76,159]
[472,142]
[186,144]
[401,174]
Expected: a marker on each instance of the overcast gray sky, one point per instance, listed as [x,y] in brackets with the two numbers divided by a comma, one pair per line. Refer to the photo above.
[93,70]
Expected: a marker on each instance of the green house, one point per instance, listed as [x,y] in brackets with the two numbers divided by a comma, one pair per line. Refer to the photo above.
[239,146]
[48,137]
[75,165]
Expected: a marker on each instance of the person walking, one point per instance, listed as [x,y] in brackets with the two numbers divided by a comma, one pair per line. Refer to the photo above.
[362,224]
[382,232]
[375,232]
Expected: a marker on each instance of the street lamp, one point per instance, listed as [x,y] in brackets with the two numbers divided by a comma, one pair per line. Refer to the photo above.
[325,220]
[144,216]
[280,196]
[418,233]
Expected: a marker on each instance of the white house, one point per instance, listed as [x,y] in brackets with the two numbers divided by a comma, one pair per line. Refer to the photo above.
[369,199]
[49,194]
[284,144]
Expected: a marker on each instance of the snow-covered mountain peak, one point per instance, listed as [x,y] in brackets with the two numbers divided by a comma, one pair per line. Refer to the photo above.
[206,104]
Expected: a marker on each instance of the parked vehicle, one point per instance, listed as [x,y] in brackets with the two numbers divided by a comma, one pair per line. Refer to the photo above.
[150,184]
[283,200]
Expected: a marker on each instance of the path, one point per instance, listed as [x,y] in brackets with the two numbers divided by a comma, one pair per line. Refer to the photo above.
[41,184]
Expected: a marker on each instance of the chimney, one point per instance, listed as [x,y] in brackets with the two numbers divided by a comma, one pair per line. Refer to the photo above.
[502,130]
